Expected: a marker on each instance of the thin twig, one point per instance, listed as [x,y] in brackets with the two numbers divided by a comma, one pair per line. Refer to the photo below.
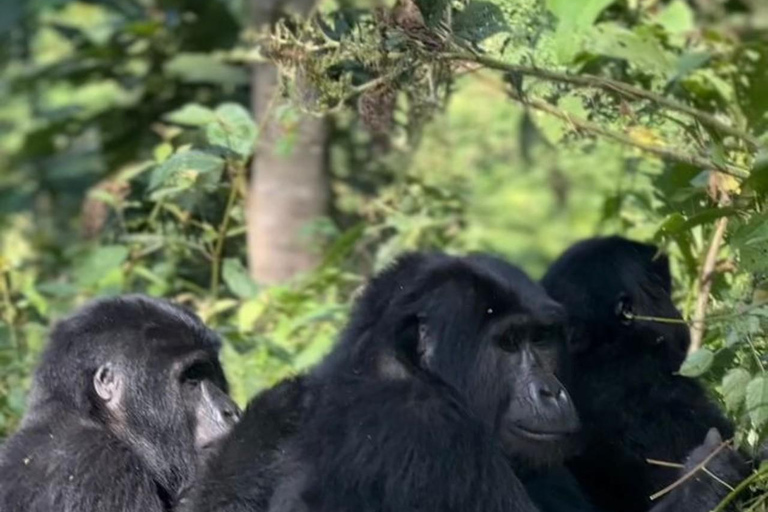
[689,474]
[661,152]
[664,463]
[608,84]
[705,284]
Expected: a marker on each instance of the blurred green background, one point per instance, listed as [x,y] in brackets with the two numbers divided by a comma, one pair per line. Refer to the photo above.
[257,160]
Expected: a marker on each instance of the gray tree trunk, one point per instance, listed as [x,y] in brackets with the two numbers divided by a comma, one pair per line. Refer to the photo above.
[287,192]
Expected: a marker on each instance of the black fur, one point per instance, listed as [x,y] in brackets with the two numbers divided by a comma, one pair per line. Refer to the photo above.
[73,453]
[632,404]
[410,411]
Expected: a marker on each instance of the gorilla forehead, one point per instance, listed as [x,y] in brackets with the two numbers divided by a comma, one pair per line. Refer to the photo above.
[599,268]
[134,320]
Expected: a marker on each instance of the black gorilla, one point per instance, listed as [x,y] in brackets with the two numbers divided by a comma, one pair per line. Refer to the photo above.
[632,404]
[445,370]
[126,400]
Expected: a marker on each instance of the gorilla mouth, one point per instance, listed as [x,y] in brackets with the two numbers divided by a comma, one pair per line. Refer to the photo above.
[540,435]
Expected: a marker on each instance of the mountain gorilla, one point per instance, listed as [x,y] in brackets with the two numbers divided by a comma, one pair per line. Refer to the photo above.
[127,398]
[632,404]
[445,370]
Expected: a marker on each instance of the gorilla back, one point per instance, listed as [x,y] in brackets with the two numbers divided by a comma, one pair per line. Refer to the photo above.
[128,396]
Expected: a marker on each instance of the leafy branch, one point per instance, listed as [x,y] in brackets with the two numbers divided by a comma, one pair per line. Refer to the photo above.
[610,85]
[660,151]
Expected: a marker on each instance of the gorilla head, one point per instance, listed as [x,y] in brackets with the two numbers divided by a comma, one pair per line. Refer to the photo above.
[135,372]
[610,286]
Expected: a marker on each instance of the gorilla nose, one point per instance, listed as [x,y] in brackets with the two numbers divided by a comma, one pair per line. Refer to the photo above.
[549,393]
[231,414]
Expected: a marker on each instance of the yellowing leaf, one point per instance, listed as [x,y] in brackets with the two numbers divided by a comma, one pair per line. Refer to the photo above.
[644,135]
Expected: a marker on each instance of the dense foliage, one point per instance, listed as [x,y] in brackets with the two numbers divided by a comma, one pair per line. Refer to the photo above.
[516,126]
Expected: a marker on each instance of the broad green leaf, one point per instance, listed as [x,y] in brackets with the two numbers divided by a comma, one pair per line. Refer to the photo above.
[735,387]
[237,279]
[698,363]
[640,50]
[677,18]
[250,312]
[192,114]
[233,129]
[182,169]
[576,15]
[575,20]
[757,401]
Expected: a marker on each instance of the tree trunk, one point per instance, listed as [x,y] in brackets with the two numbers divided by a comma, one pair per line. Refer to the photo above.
[287,192]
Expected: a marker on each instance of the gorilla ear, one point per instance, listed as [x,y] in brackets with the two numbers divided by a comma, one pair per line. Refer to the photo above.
[713,439]
[108,384]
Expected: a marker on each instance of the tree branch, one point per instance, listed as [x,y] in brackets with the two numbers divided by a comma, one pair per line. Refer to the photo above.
[610,85]
[661,152]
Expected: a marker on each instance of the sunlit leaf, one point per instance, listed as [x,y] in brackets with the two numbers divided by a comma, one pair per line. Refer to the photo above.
[735,387]
[237,279]
[205,68]
[192,114]
[757,401]
[698,363]
[233,129]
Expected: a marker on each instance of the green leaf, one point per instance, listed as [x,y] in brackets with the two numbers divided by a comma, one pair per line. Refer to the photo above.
[677,18]
[479,21]
[757,401]
[182,169]
[698,363]
[750,238]
[204,68]
[639,49]
[233,129]
[237,279]
[575,21]
[576,15]
[192,114]
[735,387]
[99,264]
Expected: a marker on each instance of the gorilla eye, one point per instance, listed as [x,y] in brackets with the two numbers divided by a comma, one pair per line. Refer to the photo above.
[196,373]
[624,310]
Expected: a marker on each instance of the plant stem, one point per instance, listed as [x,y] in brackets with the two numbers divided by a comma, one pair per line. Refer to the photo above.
[9,311]
[218,250]
[754,477]
[705,284]
[607,84]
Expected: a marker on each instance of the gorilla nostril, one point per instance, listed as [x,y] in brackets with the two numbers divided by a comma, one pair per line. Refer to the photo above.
[232,414]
